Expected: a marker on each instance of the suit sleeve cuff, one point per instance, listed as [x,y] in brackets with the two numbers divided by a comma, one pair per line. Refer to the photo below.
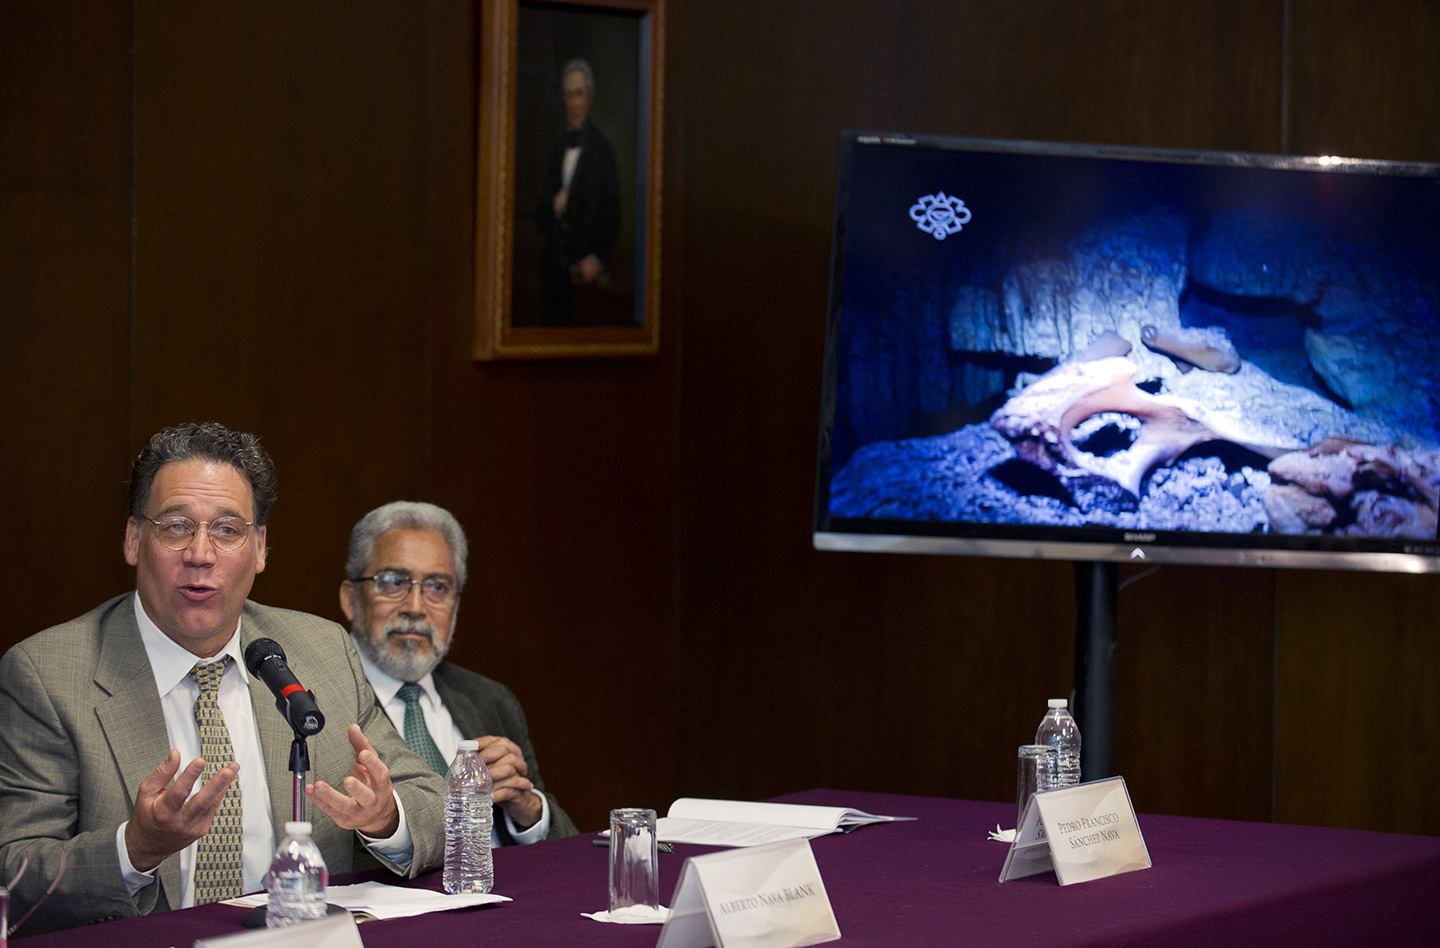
[398,848]
[135,880]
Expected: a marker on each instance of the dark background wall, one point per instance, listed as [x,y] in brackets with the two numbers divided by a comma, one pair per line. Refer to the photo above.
[263,214]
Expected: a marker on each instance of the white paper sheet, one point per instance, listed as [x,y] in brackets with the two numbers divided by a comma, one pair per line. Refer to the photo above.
[716,833]
[387,901]
[743,823]
[632,915]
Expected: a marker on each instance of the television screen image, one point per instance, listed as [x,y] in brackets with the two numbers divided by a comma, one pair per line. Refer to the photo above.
[1093,352]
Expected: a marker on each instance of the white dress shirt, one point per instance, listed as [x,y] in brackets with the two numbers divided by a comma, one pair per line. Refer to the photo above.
[171,664]
[567,165]
[447,737]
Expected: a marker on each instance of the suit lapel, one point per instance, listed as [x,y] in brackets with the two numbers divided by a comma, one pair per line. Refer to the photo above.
[131,717]
[463,711]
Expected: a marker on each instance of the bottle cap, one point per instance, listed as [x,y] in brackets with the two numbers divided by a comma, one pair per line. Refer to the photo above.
[298,828]
[1059,702]
[468,746]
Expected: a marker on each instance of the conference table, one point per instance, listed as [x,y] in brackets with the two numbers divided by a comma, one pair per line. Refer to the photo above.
[934,881]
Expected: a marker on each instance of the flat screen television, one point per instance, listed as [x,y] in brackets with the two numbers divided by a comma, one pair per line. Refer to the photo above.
[1118,354]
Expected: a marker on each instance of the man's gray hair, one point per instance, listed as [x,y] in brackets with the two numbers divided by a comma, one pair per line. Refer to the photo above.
[583,68]
[405,515]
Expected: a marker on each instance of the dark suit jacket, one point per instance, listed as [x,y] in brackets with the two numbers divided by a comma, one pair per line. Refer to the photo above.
[481,705]
[81,726]
[591,222]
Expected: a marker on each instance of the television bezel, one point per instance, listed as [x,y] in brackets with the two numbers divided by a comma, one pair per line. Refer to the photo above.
[1021,541]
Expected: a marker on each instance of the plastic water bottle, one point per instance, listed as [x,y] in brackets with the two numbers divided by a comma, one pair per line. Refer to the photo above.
[296,883]
[468,819]
[1059,730]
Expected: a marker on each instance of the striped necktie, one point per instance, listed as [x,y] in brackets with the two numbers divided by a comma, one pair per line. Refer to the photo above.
[219,858]
[417,735]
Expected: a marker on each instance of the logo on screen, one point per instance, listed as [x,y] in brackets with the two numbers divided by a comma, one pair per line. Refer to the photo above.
[940,215]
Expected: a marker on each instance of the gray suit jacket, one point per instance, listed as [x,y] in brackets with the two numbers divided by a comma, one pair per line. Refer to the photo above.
[81,726]
[481,705]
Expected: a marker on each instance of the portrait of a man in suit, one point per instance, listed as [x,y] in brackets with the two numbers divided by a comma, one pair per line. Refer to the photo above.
[579,211]
[579,175]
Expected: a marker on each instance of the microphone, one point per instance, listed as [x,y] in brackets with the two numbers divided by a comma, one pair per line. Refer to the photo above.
[266,660]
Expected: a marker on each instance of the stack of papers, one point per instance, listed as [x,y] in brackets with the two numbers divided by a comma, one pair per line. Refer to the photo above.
[738,823]
[386,901]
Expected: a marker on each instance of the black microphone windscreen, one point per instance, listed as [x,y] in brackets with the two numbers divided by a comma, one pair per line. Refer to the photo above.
[259,650]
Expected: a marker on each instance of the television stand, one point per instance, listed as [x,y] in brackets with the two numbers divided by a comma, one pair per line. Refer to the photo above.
[1097,595]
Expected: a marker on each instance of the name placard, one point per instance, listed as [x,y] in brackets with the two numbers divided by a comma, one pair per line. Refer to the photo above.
[1030,852]
[332,931]
[1084,832]
[759,897]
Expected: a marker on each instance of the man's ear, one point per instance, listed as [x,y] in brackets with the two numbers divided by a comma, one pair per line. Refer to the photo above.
[260,550]
[132,542]
[347,600]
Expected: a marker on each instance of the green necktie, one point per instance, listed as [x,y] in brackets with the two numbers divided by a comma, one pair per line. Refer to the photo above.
[417,735]
[219,858]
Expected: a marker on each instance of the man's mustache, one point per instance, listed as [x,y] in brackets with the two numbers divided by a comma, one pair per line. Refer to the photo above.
[410,627]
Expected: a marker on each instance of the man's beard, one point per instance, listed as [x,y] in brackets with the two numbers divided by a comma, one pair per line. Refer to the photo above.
[406,661]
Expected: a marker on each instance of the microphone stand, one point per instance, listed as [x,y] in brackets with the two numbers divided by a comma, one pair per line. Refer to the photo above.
[299,766]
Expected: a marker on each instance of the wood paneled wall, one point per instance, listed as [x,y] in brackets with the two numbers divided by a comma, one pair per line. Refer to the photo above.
[263,214]
[911,673]
[65,308]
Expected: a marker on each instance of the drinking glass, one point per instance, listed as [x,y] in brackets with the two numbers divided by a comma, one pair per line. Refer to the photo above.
[1039,768]
[634,866]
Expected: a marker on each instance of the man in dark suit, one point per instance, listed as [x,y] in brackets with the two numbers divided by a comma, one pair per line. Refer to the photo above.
[579,210]
[91,706]
[405,570]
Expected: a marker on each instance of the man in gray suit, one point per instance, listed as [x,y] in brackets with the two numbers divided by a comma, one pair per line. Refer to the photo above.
[405,570]
[90,706]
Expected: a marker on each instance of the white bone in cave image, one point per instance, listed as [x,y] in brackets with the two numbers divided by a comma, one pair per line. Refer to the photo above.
[1358,489]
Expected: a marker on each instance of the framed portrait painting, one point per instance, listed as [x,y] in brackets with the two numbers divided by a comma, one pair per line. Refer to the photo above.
[567,239]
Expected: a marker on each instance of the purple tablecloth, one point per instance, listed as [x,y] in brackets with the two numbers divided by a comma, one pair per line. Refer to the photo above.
[934,882]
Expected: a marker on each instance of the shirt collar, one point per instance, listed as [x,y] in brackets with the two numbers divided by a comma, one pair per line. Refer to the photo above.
[387,685]
[169,661]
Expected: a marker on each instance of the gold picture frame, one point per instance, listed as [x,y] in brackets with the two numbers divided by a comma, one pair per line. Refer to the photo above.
[532,300]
